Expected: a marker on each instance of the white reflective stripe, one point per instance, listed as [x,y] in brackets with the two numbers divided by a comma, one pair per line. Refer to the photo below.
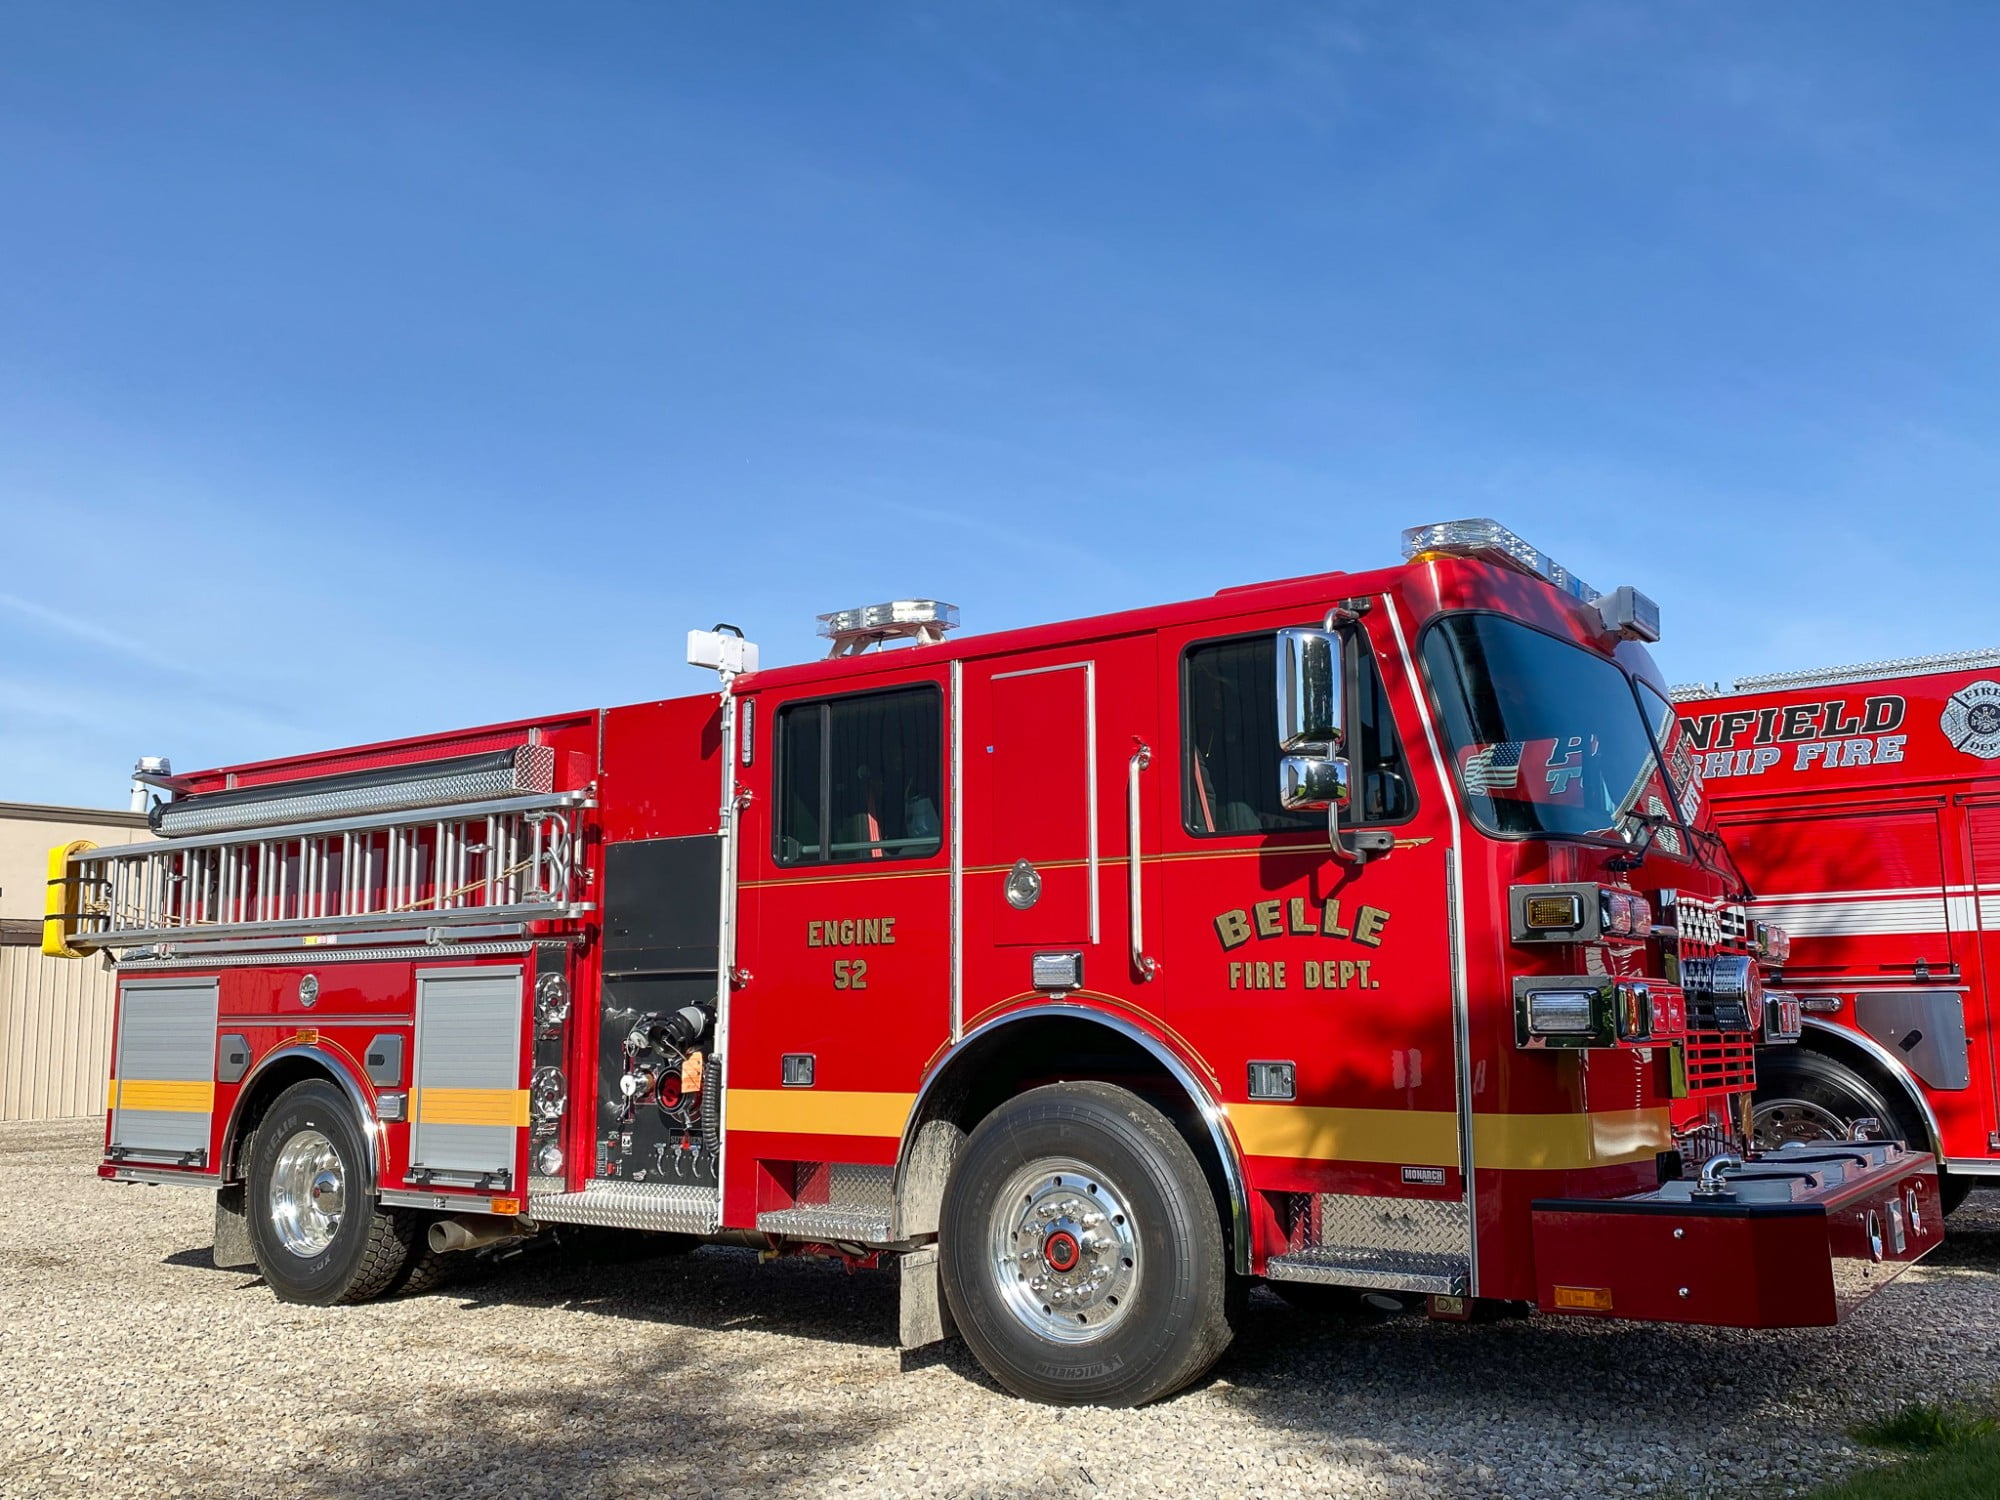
[1862,918]
[1988,888]
[1952,908]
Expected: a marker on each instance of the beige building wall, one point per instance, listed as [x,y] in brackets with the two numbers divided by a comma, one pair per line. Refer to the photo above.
[55,1014]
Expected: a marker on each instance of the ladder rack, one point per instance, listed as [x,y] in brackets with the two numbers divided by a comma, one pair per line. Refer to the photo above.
[373,877]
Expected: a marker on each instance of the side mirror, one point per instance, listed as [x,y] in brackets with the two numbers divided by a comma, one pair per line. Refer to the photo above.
[1309,719]
[1311,734]
[1306,782]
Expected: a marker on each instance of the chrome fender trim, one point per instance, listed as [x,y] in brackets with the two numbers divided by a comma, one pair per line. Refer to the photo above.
[371,1128]
[1892,1066]
[1214,1117]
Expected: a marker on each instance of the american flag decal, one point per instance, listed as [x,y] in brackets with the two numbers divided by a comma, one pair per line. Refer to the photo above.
[1497,767]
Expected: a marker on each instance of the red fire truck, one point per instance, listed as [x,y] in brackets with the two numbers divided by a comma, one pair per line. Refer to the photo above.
[1863,805]
[1347,931]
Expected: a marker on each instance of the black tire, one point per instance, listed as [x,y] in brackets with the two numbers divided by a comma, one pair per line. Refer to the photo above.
[1801,1079]
[369,1247]
[1125,1155]
[426,1270]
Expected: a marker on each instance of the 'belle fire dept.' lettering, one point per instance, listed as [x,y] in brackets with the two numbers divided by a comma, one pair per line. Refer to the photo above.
[1300,918]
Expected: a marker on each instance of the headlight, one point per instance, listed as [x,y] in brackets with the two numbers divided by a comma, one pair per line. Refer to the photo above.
[1557,1012]
[1553,1012]
[1560,1012]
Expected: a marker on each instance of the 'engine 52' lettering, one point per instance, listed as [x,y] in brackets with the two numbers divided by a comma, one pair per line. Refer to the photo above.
[1298,918]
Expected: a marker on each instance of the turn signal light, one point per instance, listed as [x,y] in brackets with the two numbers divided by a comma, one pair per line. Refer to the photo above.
[1583,1299]
[1577,912]
[1559,913]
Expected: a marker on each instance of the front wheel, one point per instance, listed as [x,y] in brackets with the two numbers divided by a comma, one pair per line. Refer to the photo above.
[1081,1251]
[316,1231]
[1806,1096]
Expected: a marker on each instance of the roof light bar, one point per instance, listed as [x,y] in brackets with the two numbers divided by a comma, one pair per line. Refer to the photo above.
[855,630]
[1487,539]
[1623,612]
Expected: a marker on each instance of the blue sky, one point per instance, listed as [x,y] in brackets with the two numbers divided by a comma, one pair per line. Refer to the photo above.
[373,369]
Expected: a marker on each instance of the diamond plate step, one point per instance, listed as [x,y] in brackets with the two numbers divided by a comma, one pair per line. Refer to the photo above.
[676,1208]
[829,1221]
[1339,1265]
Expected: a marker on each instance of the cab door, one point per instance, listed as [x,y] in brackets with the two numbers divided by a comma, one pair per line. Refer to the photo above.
[1319,987]
[843,991]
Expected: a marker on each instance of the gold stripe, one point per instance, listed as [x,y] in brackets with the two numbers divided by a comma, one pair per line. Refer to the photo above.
[180,1098]
[1429,1138]
[472,1106]
[1564,1143]
[810,1112]
[1417,1138]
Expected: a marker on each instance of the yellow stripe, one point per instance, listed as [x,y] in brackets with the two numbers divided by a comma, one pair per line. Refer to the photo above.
[1563,1143]
[1417,1138]
[472,1106]
[1429,1138]
[196,1098]
[811,1112]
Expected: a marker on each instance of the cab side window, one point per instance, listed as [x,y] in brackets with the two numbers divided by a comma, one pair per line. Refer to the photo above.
[1230,757]
[861,778]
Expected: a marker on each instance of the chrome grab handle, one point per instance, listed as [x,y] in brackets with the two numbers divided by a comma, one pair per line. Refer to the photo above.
[1713,1184]
[1141,758]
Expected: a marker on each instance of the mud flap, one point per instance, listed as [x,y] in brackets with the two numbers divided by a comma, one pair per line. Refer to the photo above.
[232,1231]
[924,1319]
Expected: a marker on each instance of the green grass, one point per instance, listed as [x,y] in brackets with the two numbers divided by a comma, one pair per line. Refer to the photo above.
[1924,1425]
[1955,1456]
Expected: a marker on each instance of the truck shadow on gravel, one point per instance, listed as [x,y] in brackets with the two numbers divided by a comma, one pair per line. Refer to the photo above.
[697,1416]
[671,1426]
[713,1289]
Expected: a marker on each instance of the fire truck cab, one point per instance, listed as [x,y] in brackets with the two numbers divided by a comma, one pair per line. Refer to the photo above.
[1354,930]
[1863,804]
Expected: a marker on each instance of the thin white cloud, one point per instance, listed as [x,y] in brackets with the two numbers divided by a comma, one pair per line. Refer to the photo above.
[89,632]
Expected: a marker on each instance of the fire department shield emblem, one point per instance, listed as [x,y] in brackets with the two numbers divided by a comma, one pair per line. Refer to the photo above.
[1972,719]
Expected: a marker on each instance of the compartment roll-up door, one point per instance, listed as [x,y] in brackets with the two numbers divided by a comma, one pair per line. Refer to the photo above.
[469,1106]
[163,1098]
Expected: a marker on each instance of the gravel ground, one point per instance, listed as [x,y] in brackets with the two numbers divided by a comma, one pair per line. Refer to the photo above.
[129,1364]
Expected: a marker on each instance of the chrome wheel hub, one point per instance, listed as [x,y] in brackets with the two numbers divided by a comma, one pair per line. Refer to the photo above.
[308,1194]
[1777,1122]
[1065,1253]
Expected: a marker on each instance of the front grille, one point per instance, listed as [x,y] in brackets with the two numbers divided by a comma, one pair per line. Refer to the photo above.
[1720,1067]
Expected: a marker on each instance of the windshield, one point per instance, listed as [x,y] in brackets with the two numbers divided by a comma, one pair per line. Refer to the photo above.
[1548,738]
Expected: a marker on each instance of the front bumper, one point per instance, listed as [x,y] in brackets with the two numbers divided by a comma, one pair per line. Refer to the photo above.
[1806,1234]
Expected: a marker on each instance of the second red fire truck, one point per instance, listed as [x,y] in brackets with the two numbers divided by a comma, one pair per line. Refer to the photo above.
[1863,804]
[1358,930]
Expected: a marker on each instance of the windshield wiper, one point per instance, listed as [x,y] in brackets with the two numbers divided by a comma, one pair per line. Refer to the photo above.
[1637,851]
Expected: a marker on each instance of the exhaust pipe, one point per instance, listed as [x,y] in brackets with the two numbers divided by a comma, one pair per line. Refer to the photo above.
[473,1232]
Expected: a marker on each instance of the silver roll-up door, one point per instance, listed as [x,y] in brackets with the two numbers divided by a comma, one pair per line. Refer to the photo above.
[468,1104]
[163,1098]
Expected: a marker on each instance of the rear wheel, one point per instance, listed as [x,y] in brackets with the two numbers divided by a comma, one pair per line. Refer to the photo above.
[1804,1095]
[1081,1251]
[315,1228]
